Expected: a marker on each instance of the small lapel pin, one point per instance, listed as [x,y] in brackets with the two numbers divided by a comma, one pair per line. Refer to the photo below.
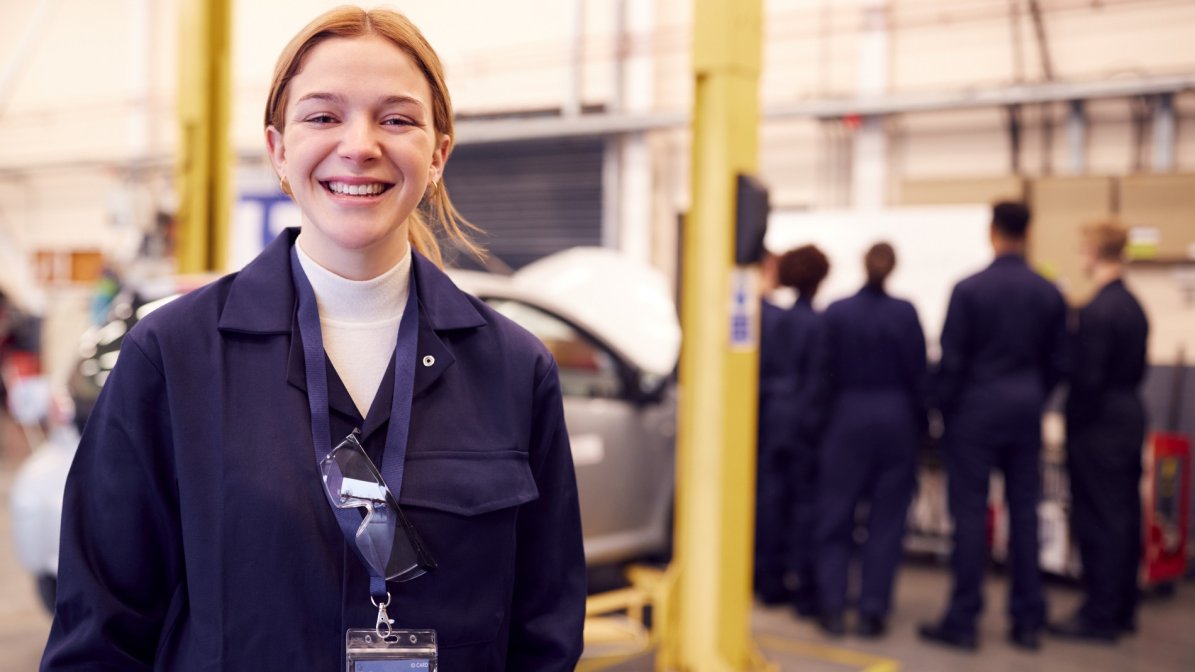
[428,360]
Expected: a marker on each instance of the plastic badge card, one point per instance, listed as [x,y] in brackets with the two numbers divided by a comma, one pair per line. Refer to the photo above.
[401,651]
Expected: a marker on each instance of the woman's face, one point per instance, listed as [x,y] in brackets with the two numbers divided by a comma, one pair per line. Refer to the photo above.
[359,150]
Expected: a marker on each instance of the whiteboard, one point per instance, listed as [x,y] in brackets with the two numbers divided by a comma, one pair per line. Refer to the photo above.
[936,246]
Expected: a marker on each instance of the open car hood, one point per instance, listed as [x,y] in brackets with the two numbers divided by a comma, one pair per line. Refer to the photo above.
[625,303]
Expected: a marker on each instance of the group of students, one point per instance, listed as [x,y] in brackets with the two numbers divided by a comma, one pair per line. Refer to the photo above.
[845,401]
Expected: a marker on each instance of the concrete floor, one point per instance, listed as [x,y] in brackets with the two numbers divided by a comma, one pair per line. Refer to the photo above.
[23,622]
[1166,642]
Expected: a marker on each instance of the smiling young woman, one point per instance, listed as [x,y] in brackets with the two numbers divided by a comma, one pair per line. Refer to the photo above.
[335,439]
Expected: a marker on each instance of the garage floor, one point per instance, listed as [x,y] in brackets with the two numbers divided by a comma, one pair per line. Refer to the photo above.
[1166,641]
[23,623]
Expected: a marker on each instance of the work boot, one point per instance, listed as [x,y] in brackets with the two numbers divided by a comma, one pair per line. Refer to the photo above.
[939,633]
[1024,637]
[832,623]
[871,626]
[1078,628]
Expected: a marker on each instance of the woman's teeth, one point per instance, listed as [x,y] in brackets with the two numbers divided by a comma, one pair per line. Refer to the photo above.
[356,189]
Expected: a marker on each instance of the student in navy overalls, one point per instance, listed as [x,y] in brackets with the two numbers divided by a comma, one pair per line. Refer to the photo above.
[782,474]
[1105,430]
[773,487]
[872,357]
[803,269]
[1004,349]
[199,531]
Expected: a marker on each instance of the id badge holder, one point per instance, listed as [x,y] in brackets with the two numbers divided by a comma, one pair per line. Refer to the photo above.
[400,651]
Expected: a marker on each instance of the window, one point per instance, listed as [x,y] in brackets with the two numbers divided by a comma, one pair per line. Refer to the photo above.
[586,369]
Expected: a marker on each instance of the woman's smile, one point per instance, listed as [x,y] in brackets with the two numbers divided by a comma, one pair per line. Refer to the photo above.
[345,189]
[356,192]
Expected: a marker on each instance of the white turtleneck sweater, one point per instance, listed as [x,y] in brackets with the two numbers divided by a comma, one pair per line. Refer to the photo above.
[359,320]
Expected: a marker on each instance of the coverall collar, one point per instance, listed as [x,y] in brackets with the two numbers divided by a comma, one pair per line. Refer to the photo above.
[262,300]
[249,310]
[1009,258]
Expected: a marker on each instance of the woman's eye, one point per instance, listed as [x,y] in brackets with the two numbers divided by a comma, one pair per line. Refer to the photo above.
[398,121]
[320,119]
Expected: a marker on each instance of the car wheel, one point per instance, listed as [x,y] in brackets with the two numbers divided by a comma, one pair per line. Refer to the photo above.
[47,589]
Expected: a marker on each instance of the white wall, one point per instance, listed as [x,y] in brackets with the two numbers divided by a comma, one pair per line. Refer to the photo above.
[1168,297]
[99,86]
[97,93]
[935,248]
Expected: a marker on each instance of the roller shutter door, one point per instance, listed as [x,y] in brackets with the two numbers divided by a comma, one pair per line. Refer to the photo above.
[531,199]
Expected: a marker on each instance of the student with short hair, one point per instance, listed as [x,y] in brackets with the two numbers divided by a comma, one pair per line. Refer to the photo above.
[1004,349]
[1105,430]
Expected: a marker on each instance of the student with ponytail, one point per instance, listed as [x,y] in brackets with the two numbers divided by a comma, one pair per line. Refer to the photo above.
[335,439]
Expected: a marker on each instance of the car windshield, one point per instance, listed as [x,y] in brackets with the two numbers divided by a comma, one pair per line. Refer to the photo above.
[586,369]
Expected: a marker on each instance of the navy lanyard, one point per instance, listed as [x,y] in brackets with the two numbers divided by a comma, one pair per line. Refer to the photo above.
[315,362]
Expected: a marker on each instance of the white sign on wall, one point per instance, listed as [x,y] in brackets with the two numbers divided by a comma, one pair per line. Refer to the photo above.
[936,246]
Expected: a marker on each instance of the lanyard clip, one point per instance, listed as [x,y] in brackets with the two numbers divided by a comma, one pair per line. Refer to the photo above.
[385,625]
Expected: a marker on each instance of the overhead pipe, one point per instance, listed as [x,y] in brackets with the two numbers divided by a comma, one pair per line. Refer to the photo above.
[574,96]
[1076,136]
[1163,133]
[1139,115]
[1013,115]
[1047,109]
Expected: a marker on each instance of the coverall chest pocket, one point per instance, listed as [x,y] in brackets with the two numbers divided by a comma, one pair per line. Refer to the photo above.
[466,505]
[467,483]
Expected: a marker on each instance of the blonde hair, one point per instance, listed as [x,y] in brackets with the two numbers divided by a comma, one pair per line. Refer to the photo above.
[1108,238]
[350,21]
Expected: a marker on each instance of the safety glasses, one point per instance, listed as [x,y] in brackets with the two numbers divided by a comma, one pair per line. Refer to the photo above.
[385,540]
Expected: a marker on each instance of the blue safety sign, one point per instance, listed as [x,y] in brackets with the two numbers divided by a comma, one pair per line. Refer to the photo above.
[744,308]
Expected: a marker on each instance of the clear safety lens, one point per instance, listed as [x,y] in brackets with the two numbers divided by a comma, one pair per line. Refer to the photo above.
[385,539]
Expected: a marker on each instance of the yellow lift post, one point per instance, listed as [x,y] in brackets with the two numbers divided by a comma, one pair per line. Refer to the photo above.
[710,606]
[203,173]
[701,606]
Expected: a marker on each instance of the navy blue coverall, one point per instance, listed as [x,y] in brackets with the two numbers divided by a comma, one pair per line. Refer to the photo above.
[773,489]
[196,534]
[1105,423]
[805,327]
[873,372]
[1004,348]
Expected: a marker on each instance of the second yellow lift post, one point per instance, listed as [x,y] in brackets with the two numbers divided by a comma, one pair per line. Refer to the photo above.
[203,174]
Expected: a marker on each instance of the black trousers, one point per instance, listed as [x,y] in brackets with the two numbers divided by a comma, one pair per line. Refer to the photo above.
[972,452]
[1104,465]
